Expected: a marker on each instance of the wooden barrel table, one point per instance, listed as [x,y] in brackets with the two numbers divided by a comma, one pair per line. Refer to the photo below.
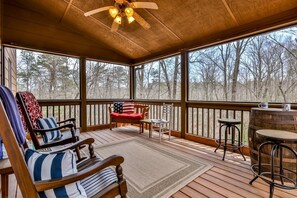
[272,118]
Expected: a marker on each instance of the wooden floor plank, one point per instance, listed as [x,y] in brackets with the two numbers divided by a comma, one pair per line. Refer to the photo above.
[180,194]
[221,190]
[204,190]
[191,192]
[240,182]
[227,184]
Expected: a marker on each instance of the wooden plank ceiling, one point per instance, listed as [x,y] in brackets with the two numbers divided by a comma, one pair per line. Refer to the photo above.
[176,25]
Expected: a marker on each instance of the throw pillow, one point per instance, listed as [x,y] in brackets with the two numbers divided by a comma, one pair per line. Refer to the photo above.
[117,107]
[49,123]
[128,107]
[44,166]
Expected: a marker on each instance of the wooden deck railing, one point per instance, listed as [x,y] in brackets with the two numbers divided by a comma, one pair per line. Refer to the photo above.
[202,116]
[97,112]
[61,109]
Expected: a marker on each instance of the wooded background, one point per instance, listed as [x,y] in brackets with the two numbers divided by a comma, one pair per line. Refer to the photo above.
[260,68]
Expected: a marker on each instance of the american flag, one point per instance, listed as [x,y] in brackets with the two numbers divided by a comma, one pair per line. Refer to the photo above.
[128,107]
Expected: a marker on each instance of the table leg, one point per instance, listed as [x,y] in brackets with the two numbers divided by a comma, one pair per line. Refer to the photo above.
[150,130]
[4,185]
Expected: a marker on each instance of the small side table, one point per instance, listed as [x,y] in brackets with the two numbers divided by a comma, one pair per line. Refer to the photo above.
[231,127]
[278,140]
[147,122]
[5,171]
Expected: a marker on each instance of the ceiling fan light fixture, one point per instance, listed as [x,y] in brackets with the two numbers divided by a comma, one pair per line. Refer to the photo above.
[130,19]
[118,20]
[113,12]
[129,12]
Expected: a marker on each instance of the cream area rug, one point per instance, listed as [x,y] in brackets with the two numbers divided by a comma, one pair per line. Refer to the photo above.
[152,169]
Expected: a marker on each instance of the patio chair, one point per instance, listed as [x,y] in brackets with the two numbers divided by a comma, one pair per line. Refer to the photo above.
[38,174]
[31,114]
[164,123]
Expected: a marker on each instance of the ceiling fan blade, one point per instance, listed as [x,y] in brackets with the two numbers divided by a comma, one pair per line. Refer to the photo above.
[141,21]
[114,27]
[149,5]
[98,10]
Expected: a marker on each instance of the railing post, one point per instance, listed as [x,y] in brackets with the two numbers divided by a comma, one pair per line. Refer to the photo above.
[184,93]
[83,94]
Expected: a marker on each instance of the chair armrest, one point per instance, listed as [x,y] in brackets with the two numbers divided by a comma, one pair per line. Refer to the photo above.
[113,160]
[79,143]
[53,129]
[67,120]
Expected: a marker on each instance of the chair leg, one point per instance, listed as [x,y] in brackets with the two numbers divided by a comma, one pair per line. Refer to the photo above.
[160,131]
[169,134]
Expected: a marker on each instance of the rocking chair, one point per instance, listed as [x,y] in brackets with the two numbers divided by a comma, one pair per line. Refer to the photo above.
[89,171]
[31,111]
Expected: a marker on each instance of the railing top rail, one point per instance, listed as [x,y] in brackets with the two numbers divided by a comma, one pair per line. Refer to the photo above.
[159,102]
[59,102]
[245,106]
[232,105]
[153,102]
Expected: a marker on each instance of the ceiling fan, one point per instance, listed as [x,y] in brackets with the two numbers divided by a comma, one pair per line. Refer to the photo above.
[125,8]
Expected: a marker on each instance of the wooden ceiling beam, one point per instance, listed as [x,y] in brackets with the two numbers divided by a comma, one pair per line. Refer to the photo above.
[163,25]
[66,10]
[230,11]
[277,21]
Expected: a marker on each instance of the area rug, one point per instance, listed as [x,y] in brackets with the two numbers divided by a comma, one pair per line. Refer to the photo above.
[153,169]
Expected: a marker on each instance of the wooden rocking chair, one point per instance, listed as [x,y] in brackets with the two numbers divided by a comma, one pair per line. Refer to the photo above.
[86,168]
[25,99]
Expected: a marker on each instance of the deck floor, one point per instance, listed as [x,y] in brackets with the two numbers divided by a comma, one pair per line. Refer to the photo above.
[227,178]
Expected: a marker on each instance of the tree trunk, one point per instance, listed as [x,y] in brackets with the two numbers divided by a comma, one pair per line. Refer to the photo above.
[163,66]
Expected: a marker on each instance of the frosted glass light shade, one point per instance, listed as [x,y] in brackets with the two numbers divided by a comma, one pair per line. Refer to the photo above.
[118,20]
[130,19]
[113,12]
[129,12]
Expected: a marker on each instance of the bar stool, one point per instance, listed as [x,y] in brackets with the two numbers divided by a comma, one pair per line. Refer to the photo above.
[232,129]
[276,139]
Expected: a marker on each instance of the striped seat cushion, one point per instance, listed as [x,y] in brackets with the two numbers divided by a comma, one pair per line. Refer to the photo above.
[99,181]
[49,123]
[54,166]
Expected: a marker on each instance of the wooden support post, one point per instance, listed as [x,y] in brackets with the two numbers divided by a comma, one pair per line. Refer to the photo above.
[184,93]
[132,82]
[83,94]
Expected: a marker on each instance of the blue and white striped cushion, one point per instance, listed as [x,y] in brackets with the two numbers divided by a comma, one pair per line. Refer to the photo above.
[96,183]
[49,123]
[53,166]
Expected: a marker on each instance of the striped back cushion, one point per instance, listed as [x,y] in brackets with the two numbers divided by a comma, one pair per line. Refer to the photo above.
[54,166]
[128,107]
[49,123]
